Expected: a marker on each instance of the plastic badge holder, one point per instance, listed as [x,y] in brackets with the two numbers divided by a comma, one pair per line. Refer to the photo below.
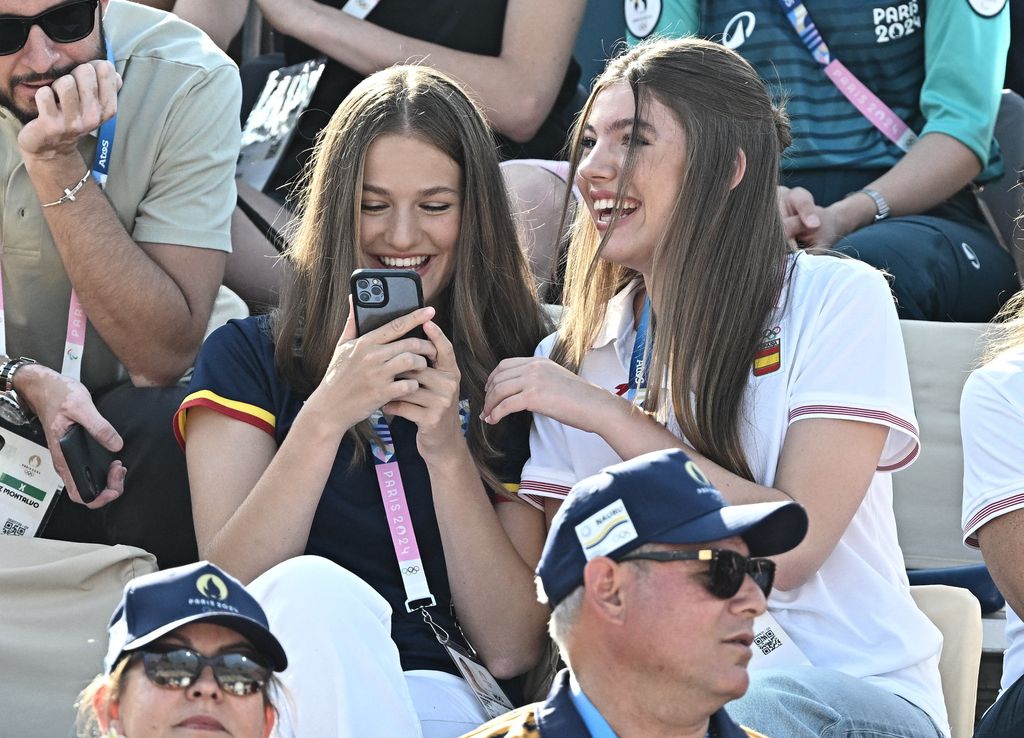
[29,486]
[772,645]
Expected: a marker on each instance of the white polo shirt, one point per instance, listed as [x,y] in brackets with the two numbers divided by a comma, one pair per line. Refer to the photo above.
[833,349]
[992,426]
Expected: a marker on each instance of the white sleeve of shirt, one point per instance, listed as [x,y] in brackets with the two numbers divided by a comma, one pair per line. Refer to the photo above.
[992,426]
[548,472]
[851,363]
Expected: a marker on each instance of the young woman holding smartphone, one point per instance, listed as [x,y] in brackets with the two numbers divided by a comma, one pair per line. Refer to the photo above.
[284,459]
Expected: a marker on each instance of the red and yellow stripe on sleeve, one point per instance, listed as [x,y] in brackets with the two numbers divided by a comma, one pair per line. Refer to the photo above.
[251,414]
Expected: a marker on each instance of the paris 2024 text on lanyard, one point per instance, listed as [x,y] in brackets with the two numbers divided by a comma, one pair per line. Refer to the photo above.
[410,563]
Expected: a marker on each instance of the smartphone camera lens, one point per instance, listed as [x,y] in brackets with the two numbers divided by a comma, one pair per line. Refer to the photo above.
[369,291]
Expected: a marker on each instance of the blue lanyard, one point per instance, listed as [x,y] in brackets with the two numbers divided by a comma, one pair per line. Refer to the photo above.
[801,21]
[105,142]
[637,384]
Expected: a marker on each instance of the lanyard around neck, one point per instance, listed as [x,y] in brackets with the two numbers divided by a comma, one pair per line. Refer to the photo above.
[396,507]
[74,341]
[105,142]
[880,115]
[636,391]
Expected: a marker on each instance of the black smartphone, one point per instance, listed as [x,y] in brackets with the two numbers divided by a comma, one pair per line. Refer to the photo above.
[381,295]
[87,461]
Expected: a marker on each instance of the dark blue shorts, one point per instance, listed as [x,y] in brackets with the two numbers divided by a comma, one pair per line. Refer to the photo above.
[940,268]
[943,265]
[1005,719]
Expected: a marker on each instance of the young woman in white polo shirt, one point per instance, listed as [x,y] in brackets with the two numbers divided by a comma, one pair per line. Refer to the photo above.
[782,373]
[992,427]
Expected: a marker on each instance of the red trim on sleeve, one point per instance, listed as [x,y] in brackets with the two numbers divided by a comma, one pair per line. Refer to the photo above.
[877,416]
[551,490]
[179,416]
[902,462]
[858,412]
[990,511]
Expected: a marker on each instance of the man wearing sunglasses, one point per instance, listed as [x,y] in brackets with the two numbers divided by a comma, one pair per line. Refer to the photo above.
[654,583]
[95,91]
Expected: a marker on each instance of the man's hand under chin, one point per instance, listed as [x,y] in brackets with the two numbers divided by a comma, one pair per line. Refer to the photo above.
[71,107]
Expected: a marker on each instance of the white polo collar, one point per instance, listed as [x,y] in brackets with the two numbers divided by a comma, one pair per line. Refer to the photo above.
[618,316]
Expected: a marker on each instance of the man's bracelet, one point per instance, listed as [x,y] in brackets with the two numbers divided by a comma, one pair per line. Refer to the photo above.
[69,193]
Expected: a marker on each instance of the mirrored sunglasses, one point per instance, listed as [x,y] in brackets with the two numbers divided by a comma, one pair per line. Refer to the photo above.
[64,24]
[236,673]
[726,572]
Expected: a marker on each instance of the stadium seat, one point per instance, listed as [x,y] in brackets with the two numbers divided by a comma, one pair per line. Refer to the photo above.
[956,613]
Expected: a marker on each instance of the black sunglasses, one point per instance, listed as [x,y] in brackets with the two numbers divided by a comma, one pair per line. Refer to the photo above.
[236,673]
[725,577]
[64,24]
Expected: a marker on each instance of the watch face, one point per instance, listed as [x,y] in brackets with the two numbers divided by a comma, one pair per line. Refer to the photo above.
[10,413]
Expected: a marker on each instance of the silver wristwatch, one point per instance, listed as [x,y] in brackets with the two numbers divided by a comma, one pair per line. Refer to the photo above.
[881,206]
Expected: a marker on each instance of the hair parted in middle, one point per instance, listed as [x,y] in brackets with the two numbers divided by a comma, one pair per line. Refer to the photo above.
[720,265]
[489,309]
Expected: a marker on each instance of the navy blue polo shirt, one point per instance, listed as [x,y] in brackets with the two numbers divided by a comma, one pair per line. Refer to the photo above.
[235,375]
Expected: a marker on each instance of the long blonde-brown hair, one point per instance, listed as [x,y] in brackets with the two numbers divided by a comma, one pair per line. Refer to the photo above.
[1007,329]
[720,265]
[489,309]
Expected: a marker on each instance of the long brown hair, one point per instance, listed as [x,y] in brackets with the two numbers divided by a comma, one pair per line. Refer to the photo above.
[720,265]
[489,309]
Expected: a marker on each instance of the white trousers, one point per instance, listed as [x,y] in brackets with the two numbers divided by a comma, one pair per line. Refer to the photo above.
[344,677]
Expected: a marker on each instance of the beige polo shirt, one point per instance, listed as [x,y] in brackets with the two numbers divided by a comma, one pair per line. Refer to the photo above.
[171,177]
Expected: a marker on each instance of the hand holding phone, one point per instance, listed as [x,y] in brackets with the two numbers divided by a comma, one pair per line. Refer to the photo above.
[87,461]
[382,295]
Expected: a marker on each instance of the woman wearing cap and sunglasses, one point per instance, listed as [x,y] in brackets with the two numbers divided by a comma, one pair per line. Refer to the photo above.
[189,651]
[689,322]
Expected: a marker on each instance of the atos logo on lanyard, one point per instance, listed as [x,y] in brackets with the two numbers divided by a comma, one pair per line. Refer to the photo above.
[637,389]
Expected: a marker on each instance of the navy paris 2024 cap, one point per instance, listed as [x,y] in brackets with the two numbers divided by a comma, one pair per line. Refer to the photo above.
[659,497]
[155,604]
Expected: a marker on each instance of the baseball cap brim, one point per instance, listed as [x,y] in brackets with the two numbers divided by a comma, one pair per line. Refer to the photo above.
[768,528]
[262,639]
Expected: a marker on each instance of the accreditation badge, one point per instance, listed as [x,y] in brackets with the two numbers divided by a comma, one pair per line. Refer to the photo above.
[489,693]
[29,486]
[772,645]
